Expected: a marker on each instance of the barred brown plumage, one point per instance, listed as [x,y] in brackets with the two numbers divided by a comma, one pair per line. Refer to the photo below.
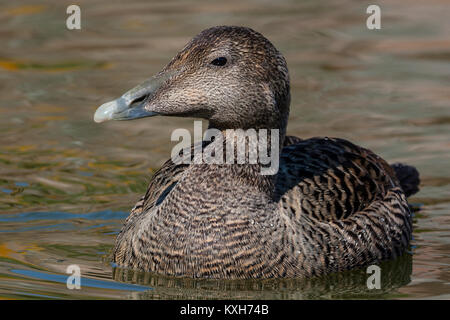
[332,206]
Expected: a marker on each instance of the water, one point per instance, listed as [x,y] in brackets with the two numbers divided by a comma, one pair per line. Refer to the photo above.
[66,183]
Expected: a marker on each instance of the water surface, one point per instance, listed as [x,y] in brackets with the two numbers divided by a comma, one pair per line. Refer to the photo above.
[66,183]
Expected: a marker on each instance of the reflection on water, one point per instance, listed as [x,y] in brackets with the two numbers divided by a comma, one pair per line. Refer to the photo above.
[84,282]
[346,285]
[66,183]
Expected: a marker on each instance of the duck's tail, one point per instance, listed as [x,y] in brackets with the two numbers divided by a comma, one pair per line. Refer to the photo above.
[408,177]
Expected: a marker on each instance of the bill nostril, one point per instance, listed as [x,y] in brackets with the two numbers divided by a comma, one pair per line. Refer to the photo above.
[138,100]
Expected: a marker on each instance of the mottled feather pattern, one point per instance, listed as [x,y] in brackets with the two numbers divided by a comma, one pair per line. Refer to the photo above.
[332,206]
[340,211]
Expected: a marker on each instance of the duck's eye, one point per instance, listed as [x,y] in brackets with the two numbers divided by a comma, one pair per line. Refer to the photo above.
[221,61]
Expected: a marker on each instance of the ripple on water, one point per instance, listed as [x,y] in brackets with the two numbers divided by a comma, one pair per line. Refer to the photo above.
[66,184]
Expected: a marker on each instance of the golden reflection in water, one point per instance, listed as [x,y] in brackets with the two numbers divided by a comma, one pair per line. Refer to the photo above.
[386,90]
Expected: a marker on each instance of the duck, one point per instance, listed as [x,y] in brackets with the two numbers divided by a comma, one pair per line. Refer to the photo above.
[330,206]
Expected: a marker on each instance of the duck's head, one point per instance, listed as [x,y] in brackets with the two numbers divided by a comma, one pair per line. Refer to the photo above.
[232,76]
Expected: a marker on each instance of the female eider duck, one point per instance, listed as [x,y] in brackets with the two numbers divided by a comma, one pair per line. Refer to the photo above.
[332,205]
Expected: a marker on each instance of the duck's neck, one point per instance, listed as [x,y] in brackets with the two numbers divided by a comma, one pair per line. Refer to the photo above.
[247,157]
[262,137]
[226,187]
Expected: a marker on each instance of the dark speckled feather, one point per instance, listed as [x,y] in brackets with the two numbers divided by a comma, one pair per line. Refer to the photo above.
[332,206]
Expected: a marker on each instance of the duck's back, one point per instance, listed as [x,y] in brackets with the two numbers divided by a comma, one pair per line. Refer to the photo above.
[346,202]
[330,178]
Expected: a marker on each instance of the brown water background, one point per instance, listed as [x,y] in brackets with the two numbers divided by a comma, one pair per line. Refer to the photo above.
[66,183]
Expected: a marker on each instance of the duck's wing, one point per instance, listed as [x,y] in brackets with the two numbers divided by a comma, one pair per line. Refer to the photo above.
[331,179]
[344,204]
[159,187]
[288,140]
[163,181]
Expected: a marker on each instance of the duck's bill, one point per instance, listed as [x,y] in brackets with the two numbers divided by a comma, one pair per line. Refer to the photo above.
[119,110]
[132,105]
